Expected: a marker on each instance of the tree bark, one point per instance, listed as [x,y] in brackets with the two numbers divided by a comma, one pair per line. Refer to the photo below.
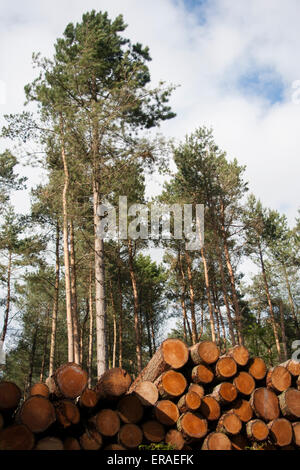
[207,286]
[77,353]
[90,347]
[192,298]
[8,298]
[55,303]
[120,319]
[66,246]
[287,282]
[136,308]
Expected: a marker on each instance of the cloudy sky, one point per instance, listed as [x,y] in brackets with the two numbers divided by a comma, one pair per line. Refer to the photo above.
[236,63]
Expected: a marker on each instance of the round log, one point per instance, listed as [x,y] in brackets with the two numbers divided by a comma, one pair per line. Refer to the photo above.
[171,384]
[147,393]
[49,443]
[205,352]
[114,447]
[278,379]
[175,439]
[202,374]
[226,368]
[244,383]
[243,409]
[130,436]
[293,367]
[130,409]
[172,354]
[39,389]
[257,430]
[199,389]
[88,398]
[16,437]
[10,396]
[113,384]
[225,393]
[216,441]
[166,412]
[153,431]
[257,368]
[210,408]
[192,426]
[91,440]
[70,443]
[289,402]
[107,422]
[189,402]
[67,413]
[70,380]
[37,413]
[296,433]
[265,404]
[240,354]
[281,431]
[230,424]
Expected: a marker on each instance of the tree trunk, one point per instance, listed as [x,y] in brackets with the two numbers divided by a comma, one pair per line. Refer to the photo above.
[32,357]
[45,346]
[114,354]
[282,326]
[291,299]
[232,279]
[77,353]
[90,347]
[207,286]
[8,298]
[55,304]
[186,322]
[120,319]
[272,317]
[66,248]
[136,308]
[192,298]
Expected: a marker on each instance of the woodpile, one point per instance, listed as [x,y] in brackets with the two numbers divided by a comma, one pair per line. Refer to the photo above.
[185,398]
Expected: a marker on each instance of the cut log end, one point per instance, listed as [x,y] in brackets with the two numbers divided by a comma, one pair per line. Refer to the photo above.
[49,443]
[225,393]
[199,389]
[202,374]
[39,389]
[225,368]
[216,441]
[265,404]
[91,440]
[107,422]
[243,410]
[175,439]
[230,424]
[10,396]
[70,380]
[16,437]
[240,354]
[166,412]
[113,384]
[279,379]
[210,408]
[296,433]
[130,436]
[257,430]
[130,409]
[257,368]
[88,398]
[192,426]
[281,432]
[37,413]
[244,383]
[206,352]
[153,431]
[175,353]
[147,393]
[71,443]
[289,402]
[171,384]
[67,413]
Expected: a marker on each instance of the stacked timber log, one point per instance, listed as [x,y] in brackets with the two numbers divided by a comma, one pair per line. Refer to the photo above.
[184,399]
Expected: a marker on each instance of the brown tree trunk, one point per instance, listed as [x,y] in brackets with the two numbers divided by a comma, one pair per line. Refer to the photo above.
[232,279]
[282,326]
[8,298]
[55,304]
[120,319]
[136,308]
[272,317]
[114,352]
[66,247]
[287,282]
[45,346]
[77,353]
[207,286]
[186,322]
[90,347]
[192,298]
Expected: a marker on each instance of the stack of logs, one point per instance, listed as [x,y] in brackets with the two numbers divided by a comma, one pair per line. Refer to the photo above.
[184,399]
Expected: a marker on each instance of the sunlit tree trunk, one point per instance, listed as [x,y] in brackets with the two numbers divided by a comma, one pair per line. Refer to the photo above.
[77,352]
[55,304]
[8,297]
[136,308]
